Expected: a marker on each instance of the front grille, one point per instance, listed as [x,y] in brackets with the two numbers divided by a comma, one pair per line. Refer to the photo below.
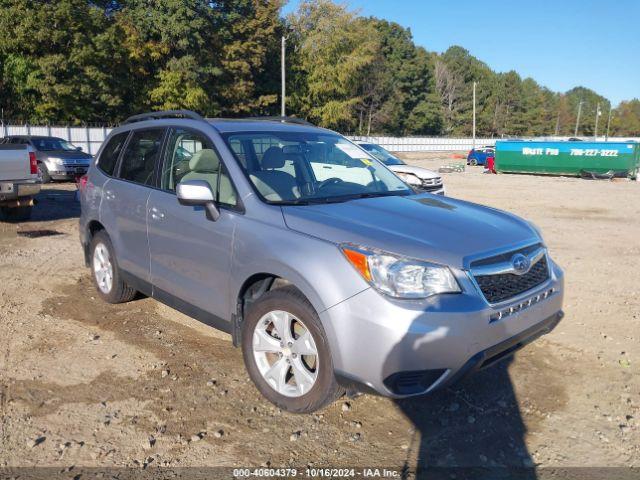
[432,182]
[501,287]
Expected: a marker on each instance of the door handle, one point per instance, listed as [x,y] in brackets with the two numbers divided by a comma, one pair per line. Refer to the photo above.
[156,214]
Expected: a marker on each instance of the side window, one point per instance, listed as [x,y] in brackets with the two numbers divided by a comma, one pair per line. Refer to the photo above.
[141,156]
[111,152]
[191,156]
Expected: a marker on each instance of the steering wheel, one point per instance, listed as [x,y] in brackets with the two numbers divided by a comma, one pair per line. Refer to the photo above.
[329,181]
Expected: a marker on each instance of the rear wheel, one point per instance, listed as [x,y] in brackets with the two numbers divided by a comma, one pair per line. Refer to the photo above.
[106,274]
[17,214]
[286,352]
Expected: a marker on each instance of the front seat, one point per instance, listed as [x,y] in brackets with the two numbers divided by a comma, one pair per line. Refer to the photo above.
[271,183]
[204,165]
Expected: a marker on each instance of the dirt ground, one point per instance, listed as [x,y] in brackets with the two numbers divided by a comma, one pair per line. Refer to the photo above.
[84,383]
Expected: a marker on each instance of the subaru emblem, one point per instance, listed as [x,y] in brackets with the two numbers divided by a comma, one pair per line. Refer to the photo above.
[521,264]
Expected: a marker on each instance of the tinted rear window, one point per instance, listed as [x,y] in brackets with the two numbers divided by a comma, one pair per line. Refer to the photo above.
[141,157]
[111,152]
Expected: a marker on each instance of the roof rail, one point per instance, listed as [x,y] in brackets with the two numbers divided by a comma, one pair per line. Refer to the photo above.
[163,114]
[278,118]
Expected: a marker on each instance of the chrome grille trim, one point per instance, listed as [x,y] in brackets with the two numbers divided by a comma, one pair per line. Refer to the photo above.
[523,305]
[506,267]
[496,264]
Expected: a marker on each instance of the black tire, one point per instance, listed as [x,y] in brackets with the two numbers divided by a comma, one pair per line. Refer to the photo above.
[325,389]
[44,173]
[120,291]
[473,162]
[17,214]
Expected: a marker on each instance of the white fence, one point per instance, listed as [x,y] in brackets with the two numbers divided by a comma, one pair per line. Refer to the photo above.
[90,139]
[446,144]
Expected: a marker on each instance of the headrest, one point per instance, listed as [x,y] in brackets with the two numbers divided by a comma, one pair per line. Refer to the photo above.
[204,160]
[273,158]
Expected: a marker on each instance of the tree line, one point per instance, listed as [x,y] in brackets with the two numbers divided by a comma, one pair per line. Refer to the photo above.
[99,61]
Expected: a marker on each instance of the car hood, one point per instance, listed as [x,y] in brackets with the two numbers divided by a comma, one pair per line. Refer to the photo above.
[65,154]
[426,226]
[419,172]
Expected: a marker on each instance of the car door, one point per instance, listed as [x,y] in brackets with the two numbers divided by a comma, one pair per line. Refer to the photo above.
[191,255]
[123,209]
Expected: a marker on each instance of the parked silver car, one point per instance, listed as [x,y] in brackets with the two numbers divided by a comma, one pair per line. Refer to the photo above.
[325,267]
[57,159]
[420,179]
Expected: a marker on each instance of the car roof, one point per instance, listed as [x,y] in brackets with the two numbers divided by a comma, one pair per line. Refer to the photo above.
[34,137]
[228,125]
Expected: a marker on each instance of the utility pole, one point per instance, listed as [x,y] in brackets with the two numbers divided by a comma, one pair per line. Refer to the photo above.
[283,92]
[474,115]
[557,130]
[606,138]
[595,136]
[575,133]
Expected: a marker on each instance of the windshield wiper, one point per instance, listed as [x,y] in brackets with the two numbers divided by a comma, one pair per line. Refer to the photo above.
[357,196]
[343,198]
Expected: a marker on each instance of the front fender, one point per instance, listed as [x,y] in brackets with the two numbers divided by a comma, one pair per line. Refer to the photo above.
[316,267]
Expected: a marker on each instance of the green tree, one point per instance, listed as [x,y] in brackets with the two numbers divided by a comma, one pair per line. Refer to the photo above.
[62,61]
[335,51]
[626,119]
[590,100]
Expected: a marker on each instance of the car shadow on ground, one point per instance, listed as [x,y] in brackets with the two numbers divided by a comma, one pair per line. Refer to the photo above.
[55,202]
[472,429]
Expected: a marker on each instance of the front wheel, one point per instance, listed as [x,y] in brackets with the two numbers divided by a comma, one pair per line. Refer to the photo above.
[44,173]
[286,352]
[473,162]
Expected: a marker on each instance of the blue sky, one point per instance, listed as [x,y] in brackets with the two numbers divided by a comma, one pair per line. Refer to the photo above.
[559,43]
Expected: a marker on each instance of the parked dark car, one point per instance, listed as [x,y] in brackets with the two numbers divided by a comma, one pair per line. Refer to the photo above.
[57,158]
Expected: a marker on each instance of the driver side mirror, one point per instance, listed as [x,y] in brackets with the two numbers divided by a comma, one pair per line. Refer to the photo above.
[198,193]
[78,149]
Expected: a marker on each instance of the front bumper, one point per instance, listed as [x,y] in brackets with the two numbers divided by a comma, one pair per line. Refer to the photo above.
[67,172]
[375,340]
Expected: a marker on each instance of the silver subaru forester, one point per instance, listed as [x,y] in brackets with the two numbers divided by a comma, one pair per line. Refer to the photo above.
[328,270]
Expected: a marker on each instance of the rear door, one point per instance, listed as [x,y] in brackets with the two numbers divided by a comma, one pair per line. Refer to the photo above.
[125,197]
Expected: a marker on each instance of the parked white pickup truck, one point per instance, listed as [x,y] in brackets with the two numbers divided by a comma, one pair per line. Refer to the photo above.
[19,181]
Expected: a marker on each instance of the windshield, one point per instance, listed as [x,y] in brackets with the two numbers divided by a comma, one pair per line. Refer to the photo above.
[310,167]
[381,154]
[51,144]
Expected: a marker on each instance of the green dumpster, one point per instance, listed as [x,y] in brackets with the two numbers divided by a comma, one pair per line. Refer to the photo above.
[568,158]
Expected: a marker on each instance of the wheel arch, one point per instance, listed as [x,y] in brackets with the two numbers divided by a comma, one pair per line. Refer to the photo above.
[257,284]
[92,227]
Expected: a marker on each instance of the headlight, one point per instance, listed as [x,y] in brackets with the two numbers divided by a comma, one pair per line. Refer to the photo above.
[409,178]
[56,161]
[400,277]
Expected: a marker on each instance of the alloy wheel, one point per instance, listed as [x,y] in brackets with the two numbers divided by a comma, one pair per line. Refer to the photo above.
[285,353]
[102,268]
